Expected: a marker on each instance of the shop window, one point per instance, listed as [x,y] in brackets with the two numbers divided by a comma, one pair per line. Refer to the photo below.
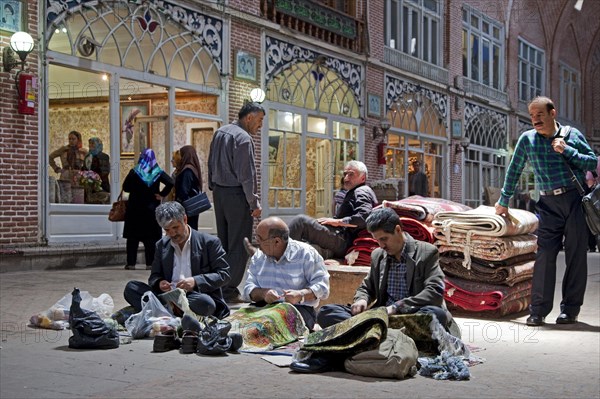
[80,164]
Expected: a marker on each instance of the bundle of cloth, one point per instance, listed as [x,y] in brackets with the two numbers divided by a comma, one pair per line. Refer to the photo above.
[507,272]
[486,300]
[486,235]
[488,259]
[423,209]
[359,254]
[416,214]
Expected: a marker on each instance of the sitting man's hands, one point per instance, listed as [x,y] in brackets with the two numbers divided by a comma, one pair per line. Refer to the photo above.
[186,284]
[293,296]
[272,296]
[164,286]
[359,307]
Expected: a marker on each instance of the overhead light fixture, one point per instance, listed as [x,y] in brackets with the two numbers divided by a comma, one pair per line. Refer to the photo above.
[578,5]
[381,131]
[257,95]
[20,43]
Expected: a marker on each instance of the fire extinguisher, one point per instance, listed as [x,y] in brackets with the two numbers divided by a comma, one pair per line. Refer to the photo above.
[381,153]
[27,85]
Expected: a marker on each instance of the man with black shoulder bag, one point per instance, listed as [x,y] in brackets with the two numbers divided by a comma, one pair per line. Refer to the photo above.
[552,153]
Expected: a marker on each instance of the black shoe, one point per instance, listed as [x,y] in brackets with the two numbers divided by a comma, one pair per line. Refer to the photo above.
[129,267]
[189,342]
[250,249]
[536,320]
[235,299]
[236,342]
[314,364]
[166,341]
[564,318]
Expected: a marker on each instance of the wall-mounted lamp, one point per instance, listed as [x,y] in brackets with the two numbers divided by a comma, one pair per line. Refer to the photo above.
[381,131]
[462,145]
[257,95]
[20,43]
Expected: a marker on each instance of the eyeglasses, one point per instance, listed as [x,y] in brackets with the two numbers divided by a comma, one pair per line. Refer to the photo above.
[259,239]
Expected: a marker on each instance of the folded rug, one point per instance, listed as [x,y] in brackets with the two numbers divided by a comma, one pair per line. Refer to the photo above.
[268,327]
[484,221]
[417,230]
[359,333]
[424,208]
[506,275]
[478,296]
[489,248]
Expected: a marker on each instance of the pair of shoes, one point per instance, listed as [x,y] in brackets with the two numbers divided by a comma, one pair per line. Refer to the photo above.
[189,342]
[235,299]
[536,320]
[313,364]
[166,341]
[129,267]
[250,249]
[564,318]
[148,267]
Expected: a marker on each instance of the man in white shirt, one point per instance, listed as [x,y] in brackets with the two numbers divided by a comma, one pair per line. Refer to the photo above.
[186,259]
[286,270]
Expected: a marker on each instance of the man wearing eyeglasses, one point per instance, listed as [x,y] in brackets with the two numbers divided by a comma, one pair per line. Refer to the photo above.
[333,236]
[286,270]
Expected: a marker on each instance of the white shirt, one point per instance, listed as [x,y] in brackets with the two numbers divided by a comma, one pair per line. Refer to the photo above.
[182,265]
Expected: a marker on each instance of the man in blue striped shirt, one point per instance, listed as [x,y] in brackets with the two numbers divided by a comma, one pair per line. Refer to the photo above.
[559,208]
[286,270]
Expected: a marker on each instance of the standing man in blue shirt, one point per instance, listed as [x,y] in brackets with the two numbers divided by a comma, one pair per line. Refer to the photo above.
[286,270]
[232,178]
[559,209]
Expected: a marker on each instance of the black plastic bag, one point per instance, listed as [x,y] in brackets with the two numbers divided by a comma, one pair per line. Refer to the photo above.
[89,330]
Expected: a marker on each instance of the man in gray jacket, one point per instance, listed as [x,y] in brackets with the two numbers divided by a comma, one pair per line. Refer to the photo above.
[405,276]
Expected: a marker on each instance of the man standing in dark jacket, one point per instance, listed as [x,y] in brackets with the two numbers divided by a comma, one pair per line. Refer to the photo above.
[405,276]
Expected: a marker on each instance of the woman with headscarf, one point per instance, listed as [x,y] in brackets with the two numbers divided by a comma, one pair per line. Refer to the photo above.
[98,161]
[143,185]
[189,179]
[71,157]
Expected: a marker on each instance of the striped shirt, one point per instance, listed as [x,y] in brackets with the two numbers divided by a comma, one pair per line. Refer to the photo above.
[299,267]
[548,167]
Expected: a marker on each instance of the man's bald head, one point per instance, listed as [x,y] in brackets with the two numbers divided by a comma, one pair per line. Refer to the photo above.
[273,227]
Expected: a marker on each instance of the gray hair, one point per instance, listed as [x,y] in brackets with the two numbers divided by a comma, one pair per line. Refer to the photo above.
[358,165]
[384,219]
[250,108]
[169,211]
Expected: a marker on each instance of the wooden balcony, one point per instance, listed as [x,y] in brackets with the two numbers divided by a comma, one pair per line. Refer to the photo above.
[318,21]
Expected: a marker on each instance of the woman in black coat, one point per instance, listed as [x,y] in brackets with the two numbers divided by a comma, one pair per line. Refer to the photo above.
[143,185]
[189,179]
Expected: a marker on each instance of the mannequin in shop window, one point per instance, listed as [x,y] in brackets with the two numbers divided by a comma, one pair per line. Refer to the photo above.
[71,157]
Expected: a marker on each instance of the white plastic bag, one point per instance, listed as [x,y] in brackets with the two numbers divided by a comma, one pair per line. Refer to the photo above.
[139,325]
[57,316]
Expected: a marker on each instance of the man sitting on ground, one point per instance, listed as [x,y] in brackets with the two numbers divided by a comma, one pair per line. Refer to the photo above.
[405,276]
[285,270]
[187,259]
[333,236]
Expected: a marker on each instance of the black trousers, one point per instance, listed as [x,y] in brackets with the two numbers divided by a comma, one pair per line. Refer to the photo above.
[132,250]
[561,217]
[234,222]
[305,228]
[201,304]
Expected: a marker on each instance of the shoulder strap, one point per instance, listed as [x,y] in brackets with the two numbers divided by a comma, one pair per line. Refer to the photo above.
[574,178]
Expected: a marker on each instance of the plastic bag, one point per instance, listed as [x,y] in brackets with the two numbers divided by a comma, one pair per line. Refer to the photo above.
[89,330]
[57,316]
[139,325]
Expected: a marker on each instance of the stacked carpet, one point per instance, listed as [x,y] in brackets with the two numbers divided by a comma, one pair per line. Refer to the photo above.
[488,260]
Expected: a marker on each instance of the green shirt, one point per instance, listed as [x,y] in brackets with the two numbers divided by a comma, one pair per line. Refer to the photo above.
[549,169]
